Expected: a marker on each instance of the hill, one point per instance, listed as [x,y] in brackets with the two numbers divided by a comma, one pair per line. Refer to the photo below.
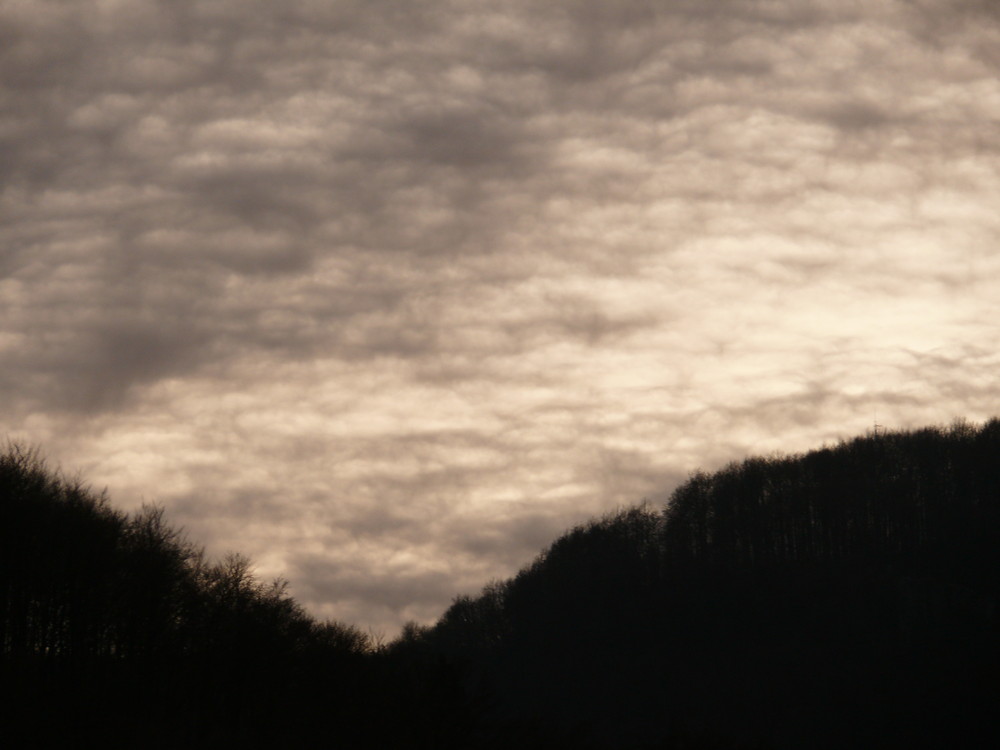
[846,597]
[116,631]
[842,598]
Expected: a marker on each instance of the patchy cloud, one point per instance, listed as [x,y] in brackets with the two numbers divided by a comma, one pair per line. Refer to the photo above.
[388,294]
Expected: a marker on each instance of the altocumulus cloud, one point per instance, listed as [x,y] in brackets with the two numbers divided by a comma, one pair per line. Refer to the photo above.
[387,294]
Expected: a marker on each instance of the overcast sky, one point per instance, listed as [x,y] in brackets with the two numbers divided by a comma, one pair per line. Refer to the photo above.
[388,294]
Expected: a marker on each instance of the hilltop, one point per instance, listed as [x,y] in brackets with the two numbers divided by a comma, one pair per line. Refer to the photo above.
[845,597]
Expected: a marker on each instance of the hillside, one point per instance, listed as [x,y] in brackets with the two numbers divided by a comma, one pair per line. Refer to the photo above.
[846,597]
[115,630]
[842,598]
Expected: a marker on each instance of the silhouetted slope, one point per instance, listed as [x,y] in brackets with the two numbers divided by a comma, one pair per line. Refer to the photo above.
[846,597]
[115,631]
[842,598]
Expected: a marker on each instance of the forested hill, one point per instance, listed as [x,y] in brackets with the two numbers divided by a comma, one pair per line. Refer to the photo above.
[847,597]
[843,598]
[116,631]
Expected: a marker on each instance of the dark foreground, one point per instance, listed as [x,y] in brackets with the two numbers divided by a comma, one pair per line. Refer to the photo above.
[843,598]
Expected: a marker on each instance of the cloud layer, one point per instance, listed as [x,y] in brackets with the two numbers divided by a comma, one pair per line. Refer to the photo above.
[388,294]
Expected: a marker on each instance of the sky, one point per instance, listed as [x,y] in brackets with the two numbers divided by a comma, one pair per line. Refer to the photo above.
[389,294]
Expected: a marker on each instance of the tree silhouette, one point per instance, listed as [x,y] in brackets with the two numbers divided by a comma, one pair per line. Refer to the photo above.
[844,597]
[816,600]
[122,629]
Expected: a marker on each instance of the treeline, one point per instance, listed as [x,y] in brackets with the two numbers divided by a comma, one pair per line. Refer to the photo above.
[842,598]
[116,630]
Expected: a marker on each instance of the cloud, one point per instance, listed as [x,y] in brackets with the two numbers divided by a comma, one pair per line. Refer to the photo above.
[387,294]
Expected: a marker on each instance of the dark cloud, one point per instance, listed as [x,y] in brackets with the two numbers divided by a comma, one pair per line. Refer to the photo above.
[857,115]
[461,139]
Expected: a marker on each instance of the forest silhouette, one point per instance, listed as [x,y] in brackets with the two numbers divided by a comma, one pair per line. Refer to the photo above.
[845,597]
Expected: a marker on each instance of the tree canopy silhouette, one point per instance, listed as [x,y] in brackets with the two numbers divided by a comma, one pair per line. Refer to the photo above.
[120,629]
[843,597]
